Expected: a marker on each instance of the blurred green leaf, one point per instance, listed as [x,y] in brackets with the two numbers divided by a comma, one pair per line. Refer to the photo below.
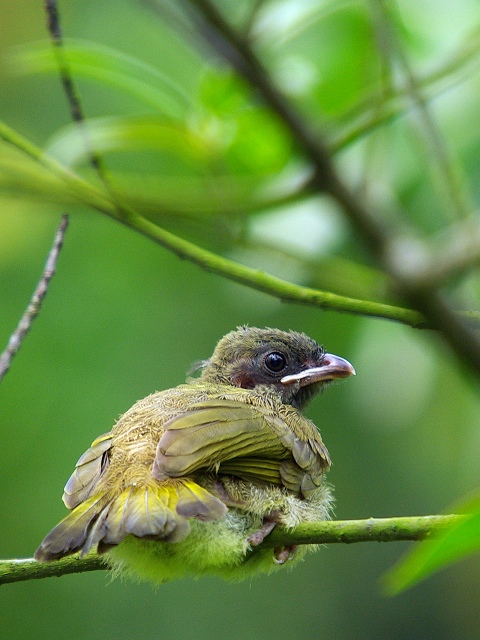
[337,40]
[223,93]
[251,138]
[257,145]
[198,196]
[71,146]
[456,542]
[456,67]
[110,67]
[260,144]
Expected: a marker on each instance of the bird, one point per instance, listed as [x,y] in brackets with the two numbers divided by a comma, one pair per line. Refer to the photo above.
[191,480]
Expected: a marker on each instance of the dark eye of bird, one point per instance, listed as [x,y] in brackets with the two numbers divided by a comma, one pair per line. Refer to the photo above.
[275,362]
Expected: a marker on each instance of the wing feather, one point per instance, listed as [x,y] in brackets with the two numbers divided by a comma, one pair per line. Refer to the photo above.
[89,468]
[238,439]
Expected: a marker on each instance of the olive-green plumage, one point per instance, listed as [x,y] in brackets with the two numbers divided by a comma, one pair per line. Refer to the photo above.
[190,480]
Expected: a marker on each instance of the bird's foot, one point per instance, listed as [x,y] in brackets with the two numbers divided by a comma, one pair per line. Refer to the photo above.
[257,537]
[282,554]
[268,525]
[225,497]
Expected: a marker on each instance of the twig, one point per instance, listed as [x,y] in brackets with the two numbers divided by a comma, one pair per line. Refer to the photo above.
[267,283]
[73,97]
[451,253]
[448,74]
[370,530]
[337,531]
[33,308]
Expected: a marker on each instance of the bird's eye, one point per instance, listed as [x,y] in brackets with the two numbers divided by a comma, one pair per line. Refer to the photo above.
[275,362]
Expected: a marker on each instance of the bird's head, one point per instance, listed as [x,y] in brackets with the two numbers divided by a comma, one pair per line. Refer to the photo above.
[291,363]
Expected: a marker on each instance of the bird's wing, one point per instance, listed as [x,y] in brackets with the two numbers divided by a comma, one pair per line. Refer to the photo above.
[88,470]
[238,439]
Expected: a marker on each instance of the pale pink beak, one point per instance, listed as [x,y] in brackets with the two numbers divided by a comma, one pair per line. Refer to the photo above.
[333,368]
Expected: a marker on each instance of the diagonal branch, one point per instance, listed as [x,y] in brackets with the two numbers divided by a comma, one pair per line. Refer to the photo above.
[322,532]
[90,195]
[33,308]
[87,194]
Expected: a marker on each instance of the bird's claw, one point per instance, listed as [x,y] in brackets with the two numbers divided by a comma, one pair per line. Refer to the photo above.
[282,554]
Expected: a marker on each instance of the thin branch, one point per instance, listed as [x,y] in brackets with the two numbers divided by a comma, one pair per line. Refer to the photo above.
[71,92]
[455,69]
[370,530]
[33,308]
[254,278]
[87,194]
[450,254]
[329,272]
[249,23]
[81,190]
[322,532]
[267,283]
[30,569]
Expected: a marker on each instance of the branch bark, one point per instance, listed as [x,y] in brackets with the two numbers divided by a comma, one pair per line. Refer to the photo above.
[322,532]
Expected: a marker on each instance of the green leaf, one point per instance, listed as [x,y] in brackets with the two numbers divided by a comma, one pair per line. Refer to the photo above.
[454,543]
[223,93]
[251,139]
[336,42]
[136,133]
[110,67]
[193,196]
[260,144]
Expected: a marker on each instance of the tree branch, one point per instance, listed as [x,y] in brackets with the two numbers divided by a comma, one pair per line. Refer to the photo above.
[30,569]
[87,194]
[322,532]
[370,530]
[378,235]
[33,308]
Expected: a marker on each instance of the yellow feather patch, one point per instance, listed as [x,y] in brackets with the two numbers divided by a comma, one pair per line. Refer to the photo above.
[158,511]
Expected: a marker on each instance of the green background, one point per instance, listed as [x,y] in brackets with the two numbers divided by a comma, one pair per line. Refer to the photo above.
[124,317]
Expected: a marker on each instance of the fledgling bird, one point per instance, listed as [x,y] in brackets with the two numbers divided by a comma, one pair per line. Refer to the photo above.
[191,480]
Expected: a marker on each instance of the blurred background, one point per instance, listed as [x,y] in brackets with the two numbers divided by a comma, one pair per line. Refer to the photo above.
[124,317]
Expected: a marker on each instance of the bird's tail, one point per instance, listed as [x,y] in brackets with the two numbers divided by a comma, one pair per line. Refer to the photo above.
[153,511]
